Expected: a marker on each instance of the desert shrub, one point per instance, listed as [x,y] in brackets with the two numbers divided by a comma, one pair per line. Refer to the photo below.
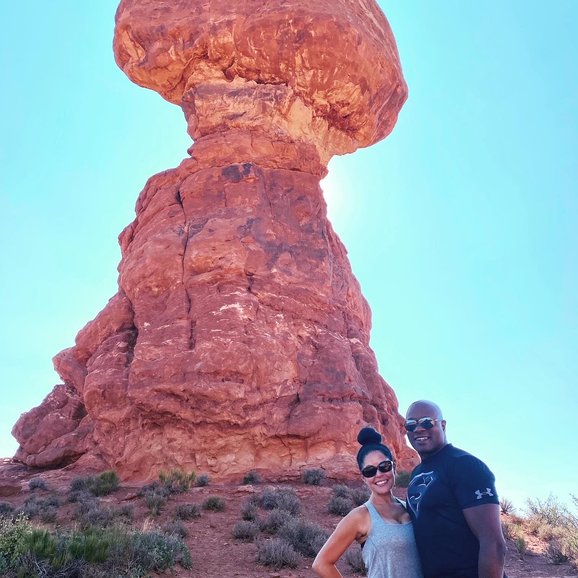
[12,535]
[90,514]
[125,511]
[249,511]
[548,533]
[280,499]
[402,479]
[360,495]
[506,506]
[277,554]
[568,542]
[176,528]
[245,530]
[313,477]
[509,530]
[37,484]
[252,477]
[202,480]
[555,554]
[275,519]
[6,509]
[26,551]
[44,509]
[187,511]
[52,501]
[549,510]
[305,537]
[100,485]
[157,552]
[92,545]
[533,525]
[48,515]
[354,560]
[176,481]
[155,502]
[340,506]
[521,545]
[75,496]
[105,483]
[214,504]
[341,491]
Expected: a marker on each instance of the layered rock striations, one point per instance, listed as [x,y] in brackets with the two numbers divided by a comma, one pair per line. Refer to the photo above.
[239,338]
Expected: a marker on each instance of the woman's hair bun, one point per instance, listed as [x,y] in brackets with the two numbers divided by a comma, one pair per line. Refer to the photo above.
[368,436]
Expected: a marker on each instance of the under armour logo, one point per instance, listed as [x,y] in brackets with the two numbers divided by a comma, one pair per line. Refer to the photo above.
[479,494]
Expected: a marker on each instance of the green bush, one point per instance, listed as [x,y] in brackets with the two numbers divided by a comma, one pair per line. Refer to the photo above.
[12,536]
[277,554]
[214,504]
[101,485]
[176,481]
[313,477]
[27,551]
[252,477]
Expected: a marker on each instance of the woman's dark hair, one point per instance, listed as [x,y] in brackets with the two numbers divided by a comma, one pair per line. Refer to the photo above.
[370,441]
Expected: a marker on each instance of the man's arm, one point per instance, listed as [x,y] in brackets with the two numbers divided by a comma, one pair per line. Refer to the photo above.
[484,522]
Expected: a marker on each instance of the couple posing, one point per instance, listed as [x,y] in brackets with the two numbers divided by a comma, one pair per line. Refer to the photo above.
[452,509]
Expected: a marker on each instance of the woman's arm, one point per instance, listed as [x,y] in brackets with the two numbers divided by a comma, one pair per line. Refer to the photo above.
[353,527]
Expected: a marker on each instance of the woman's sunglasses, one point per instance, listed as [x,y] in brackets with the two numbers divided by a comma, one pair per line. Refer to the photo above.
[370,471]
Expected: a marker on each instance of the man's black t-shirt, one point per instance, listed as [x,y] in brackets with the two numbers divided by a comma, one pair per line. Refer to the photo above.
[440,488]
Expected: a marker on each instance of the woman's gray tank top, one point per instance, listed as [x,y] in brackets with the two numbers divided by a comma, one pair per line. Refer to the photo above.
[390,550]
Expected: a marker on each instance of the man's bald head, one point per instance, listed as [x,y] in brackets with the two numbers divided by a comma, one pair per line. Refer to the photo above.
[425,407]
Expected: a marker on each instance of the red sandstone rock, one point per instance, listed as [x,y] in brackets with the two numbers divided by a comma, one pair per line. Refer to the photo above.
[239,338]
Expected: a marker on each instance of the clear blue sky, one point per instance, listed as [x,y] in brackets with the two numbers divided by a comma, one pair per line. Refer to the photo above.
[462,226]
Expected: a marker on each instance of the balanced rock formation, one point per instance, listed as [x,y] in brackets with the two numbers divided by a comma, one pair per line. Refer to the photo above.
[239,338]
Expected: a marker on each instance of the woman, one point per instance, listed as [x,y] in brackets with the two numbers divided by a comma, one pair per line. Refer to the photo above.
[381,525]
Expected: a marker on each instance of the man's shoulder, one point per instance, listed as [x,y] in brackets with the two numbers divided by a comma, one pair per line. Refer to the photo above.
[450,452]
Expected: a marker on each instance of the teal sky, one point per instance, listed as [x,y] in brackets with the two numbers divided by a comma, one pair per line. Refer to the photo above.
[462,226]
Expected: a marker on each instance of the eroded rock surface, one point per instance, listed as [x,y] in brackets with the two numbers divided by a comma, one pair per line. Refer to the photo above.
[239,338]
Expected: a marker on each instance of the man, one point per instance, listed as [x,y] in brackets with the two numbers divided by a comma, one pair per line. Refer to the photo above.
[453,503]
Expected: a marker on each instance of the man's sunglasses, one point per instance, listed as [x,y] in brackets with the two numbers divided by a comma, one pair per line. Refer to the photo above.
[425,422]
[370,471]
